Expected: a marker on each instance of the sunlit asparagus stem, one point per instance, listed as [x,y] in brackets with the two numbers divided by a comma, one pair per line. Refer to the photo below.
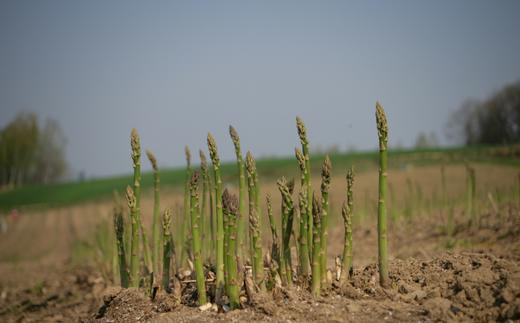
[230,210]
[134,248]
[325,185]
[254,221]
[242,193]
[121,254]
[135,143]
[167,249]
[146,250]
[186,219]
[156,234]
[204,205]
[347,211]
[316,271]
[195,238]
[382,129]
[287,224]
[302,133]
[304,255]
[275,246]
[302,240]
[212,146]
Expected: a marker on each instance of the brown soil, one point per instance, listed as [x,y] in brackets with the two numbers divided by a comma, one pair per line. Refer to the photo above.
[478,280]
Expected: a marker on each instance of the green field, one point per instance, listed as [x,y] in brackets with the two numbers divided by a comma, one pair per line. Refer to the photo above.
[269,169]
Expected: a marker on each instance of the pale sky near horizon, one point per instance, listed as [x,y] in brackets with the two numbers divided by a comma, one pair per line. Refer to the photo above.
[178,69]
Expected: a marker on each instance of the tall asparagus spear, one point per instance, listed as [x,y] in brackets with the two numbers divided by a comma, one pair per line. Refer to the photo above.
[382,129]
[254,221]
[316,271]
[302,133]
[156,235]
[304,254]
[230,210]
[346,212]
[204,206]
[167,249]
[302,239]
[212,146]
[325,185]
[186,219]
[135,143]
[196,242]
[242,192]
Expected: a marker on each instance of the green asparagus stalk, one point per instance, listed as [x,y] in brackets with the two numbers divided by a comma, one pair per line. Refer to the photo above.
[134,248]
[204,205]
[275,246]
[242,192]
[230,210]
[135,144]
[287,224]
[226,247]
[316,271]
[167,249]
[146,251]
[156,234]
[121,254]
[212,146]
[303,250]
[254,221]
[347,211]
[196,242]
[185,220]
[302,133]
[382,128]
[325,185]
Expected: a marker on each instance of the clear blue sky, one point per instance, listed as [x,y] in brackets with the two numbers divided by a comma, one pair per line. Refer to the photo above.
[176,70]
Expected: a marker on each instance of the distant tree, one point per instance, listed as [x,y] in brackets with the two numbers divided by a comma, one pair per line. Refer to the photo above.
[31,155]
[49,162]
[426,141]
[493,121]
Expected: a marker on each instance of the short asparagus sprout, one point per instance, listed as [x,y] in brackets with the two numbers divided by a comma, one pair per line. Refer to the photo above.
[316,270]
[212,146]
[382,129]
[325,186]
[287,224]
[196,241]
[230,210]
[167,249]
[346,212]
[275,245]
[302,133]
[120,243]
[134,248]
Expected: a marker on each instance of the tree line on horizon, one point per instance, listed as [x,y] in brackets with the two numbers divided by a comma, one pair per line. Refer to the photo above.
[493,121]
[31,153]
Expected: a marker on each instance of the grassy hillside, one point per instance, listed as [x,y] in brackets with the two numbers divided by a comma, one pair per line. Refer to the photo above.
[74,192]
